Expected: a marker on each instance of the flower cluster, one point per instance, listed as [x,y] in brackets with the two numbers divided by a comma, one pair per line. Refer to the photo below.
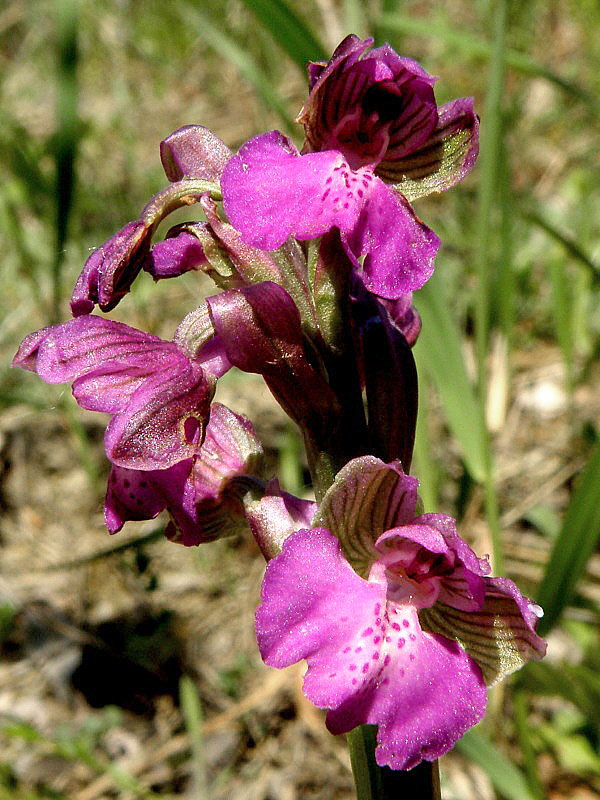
[315,254]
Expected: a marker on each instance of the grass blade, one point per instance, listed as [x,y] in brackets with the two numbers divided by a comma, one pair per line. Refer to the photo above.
[570,245]
[193,717]
[226,47]
[67,136]
[507,779]
[439,351]
[575,544]
[288,30]
[489,171]
[480,48]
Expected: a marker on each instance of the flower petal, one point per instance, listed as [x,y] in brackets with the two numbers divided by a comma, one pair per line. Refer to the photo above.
[79,346]
[399,249]
[174,256]
[367,498]
[261,331]
[366,662]
[500,636]
[271,192]
[276,516]
[164,421]
[228,466]
[132,494]
[193,152]
[111,269]
[447,156]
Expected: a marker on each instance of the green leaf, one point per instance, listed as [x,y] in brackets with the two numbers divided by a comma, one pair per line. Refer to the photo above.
[574,545]
[191,708]
[506,778]
[226,47]
[439,351]
[288,30]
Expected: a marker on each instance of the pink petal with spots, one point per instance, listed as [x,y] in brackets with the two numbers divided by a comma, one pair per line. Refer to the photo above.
[399,249]
[427,694]
[315,606]
[271,192]
[132,495]
[368,660]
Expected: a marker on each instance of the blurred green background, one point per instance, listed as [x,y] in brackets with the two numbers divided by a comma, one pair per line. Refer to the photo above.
[508,438]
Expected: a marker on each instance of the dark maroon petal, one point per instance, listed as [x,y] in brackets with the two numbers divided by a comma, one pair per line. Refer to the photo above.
[443,159]
[392,393]
[261,331]
[109,272]
[194,152]
[174,256]
[403,316]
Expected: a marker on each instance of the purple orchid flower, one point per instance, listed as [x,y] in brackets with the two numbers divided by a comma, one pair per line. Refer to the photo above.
[369,120]
[202,494]
[397,618]
[158,392]
[193,159]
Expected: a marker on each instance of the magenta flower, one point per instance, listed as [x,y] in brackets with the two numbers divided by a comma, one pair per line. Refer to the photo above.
[193,159]
[369,121]
[203,494]
[158,392]
[395,615]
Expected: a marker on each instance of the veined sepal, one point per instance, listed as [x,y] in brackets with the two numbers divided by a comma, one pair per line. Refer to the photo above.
[500,637]
[367,498]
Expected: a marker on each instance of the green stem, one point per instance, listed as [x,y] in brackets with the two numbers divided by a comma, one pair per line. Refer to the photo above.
[381,783]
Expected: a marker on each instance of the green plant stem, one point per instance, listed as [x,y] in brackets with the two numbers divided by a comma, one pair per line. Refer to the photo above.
[346,438]
[381,783]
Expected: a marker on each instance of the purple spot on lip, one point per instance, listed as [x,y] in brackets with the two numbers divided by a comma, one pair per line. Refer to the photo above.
[367,632]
